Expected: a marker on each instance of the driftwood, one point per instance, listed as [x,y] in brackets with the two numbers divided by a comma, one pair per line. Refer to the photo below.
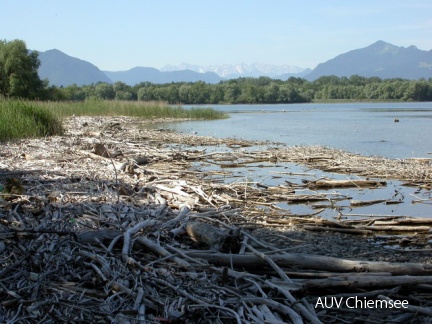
[410,308]
[95,236]
[357,203]
[396,228]
[407,221]
[320,184]
[366,226]
[338,229]
[315,262]
[369,229]
[114,235]
[363,282]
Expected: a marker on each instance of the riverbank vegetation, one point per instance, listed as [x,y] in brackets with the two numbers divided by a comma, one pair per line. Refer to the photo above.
[145,110]
[20,119]
[262,90]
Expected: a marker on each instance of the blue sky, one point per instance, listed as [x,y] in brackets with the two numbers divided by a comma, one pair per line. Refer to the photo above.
[119,35]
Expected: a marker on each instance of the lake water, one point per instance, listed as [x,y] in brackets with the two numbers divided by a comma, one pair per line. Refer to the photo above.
[364,128]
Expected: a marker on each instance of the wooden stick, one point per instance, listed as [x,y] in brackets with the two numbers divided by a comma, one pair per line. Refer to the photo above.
[303,310]
[414,309]
[362,282]
[128,234]
[161,251]
[340,230]
[322,184]
[314,262]
[279,271]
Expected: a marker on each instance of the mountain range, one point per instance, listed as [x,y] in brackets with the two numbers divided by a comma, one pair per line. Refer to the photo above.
[64,70]
[379,59]
[232,71]
[148,74]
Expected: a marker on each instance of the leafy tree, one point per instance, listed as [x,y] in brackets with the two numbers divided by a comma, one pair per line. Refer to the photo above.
[296,81]
[53,93]
[231,92]
[120,86]
[199,93]
[216,94]
[73,92]
[357,80]
[419,91]
[123,91]
[19,71]
[272,93]
[104,91]
[184,93]
[172,94]
[248,94]
[146,93]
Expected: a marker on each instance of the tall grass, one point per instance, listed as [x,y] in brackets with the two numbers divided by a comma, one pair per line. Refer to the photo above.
[146,110]
[20,119]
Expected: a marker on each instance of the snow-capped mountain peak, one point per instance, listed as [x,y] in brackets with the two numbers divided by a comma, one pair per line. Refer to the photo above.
[238,70]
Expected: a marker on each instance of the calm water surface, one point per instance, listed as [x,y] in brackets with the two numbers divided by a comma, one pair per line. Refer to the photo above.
[364,128]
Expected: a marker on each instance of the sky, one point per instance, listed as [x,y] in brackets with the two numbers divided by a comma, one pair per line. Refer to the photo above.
[119,35]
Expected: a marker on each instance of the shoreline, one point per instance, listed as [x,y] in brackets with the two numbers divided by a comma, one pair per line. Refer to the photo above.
[111,179]
[131,153]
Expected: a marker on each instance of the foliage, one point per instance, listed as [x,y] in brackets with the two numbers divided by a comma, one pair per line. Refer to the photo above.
[242,90]
[147,110]
[19,119]
[258,90]
[360,88]
[19,71]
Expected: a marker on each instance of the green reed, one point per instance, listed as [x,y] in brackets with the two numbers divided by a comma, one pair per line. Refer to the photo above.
[20,119]
[146,110]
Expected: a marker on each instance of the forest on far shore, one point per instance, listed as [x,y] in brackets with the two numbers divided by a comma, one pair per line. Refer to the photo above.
[262,90]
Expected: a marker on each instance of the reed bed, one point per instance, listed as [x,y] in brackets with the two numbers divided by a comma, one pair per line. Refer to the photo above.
[20,119]
[23,119]
[145,110]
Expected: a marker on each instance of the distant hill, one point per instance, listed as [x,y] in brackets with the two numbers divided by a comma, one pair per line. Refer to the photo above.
[301,74]
[380,59]
[148,74]
[63,70]
[231,71]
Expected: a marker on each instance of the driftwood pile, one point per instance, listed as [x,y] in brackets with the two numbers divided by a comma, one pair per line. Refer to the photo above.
[111,224]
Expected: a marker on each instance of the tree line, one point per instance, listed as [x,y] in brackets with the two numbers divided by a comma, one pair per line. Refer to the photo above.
[262,90]
[19,78]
